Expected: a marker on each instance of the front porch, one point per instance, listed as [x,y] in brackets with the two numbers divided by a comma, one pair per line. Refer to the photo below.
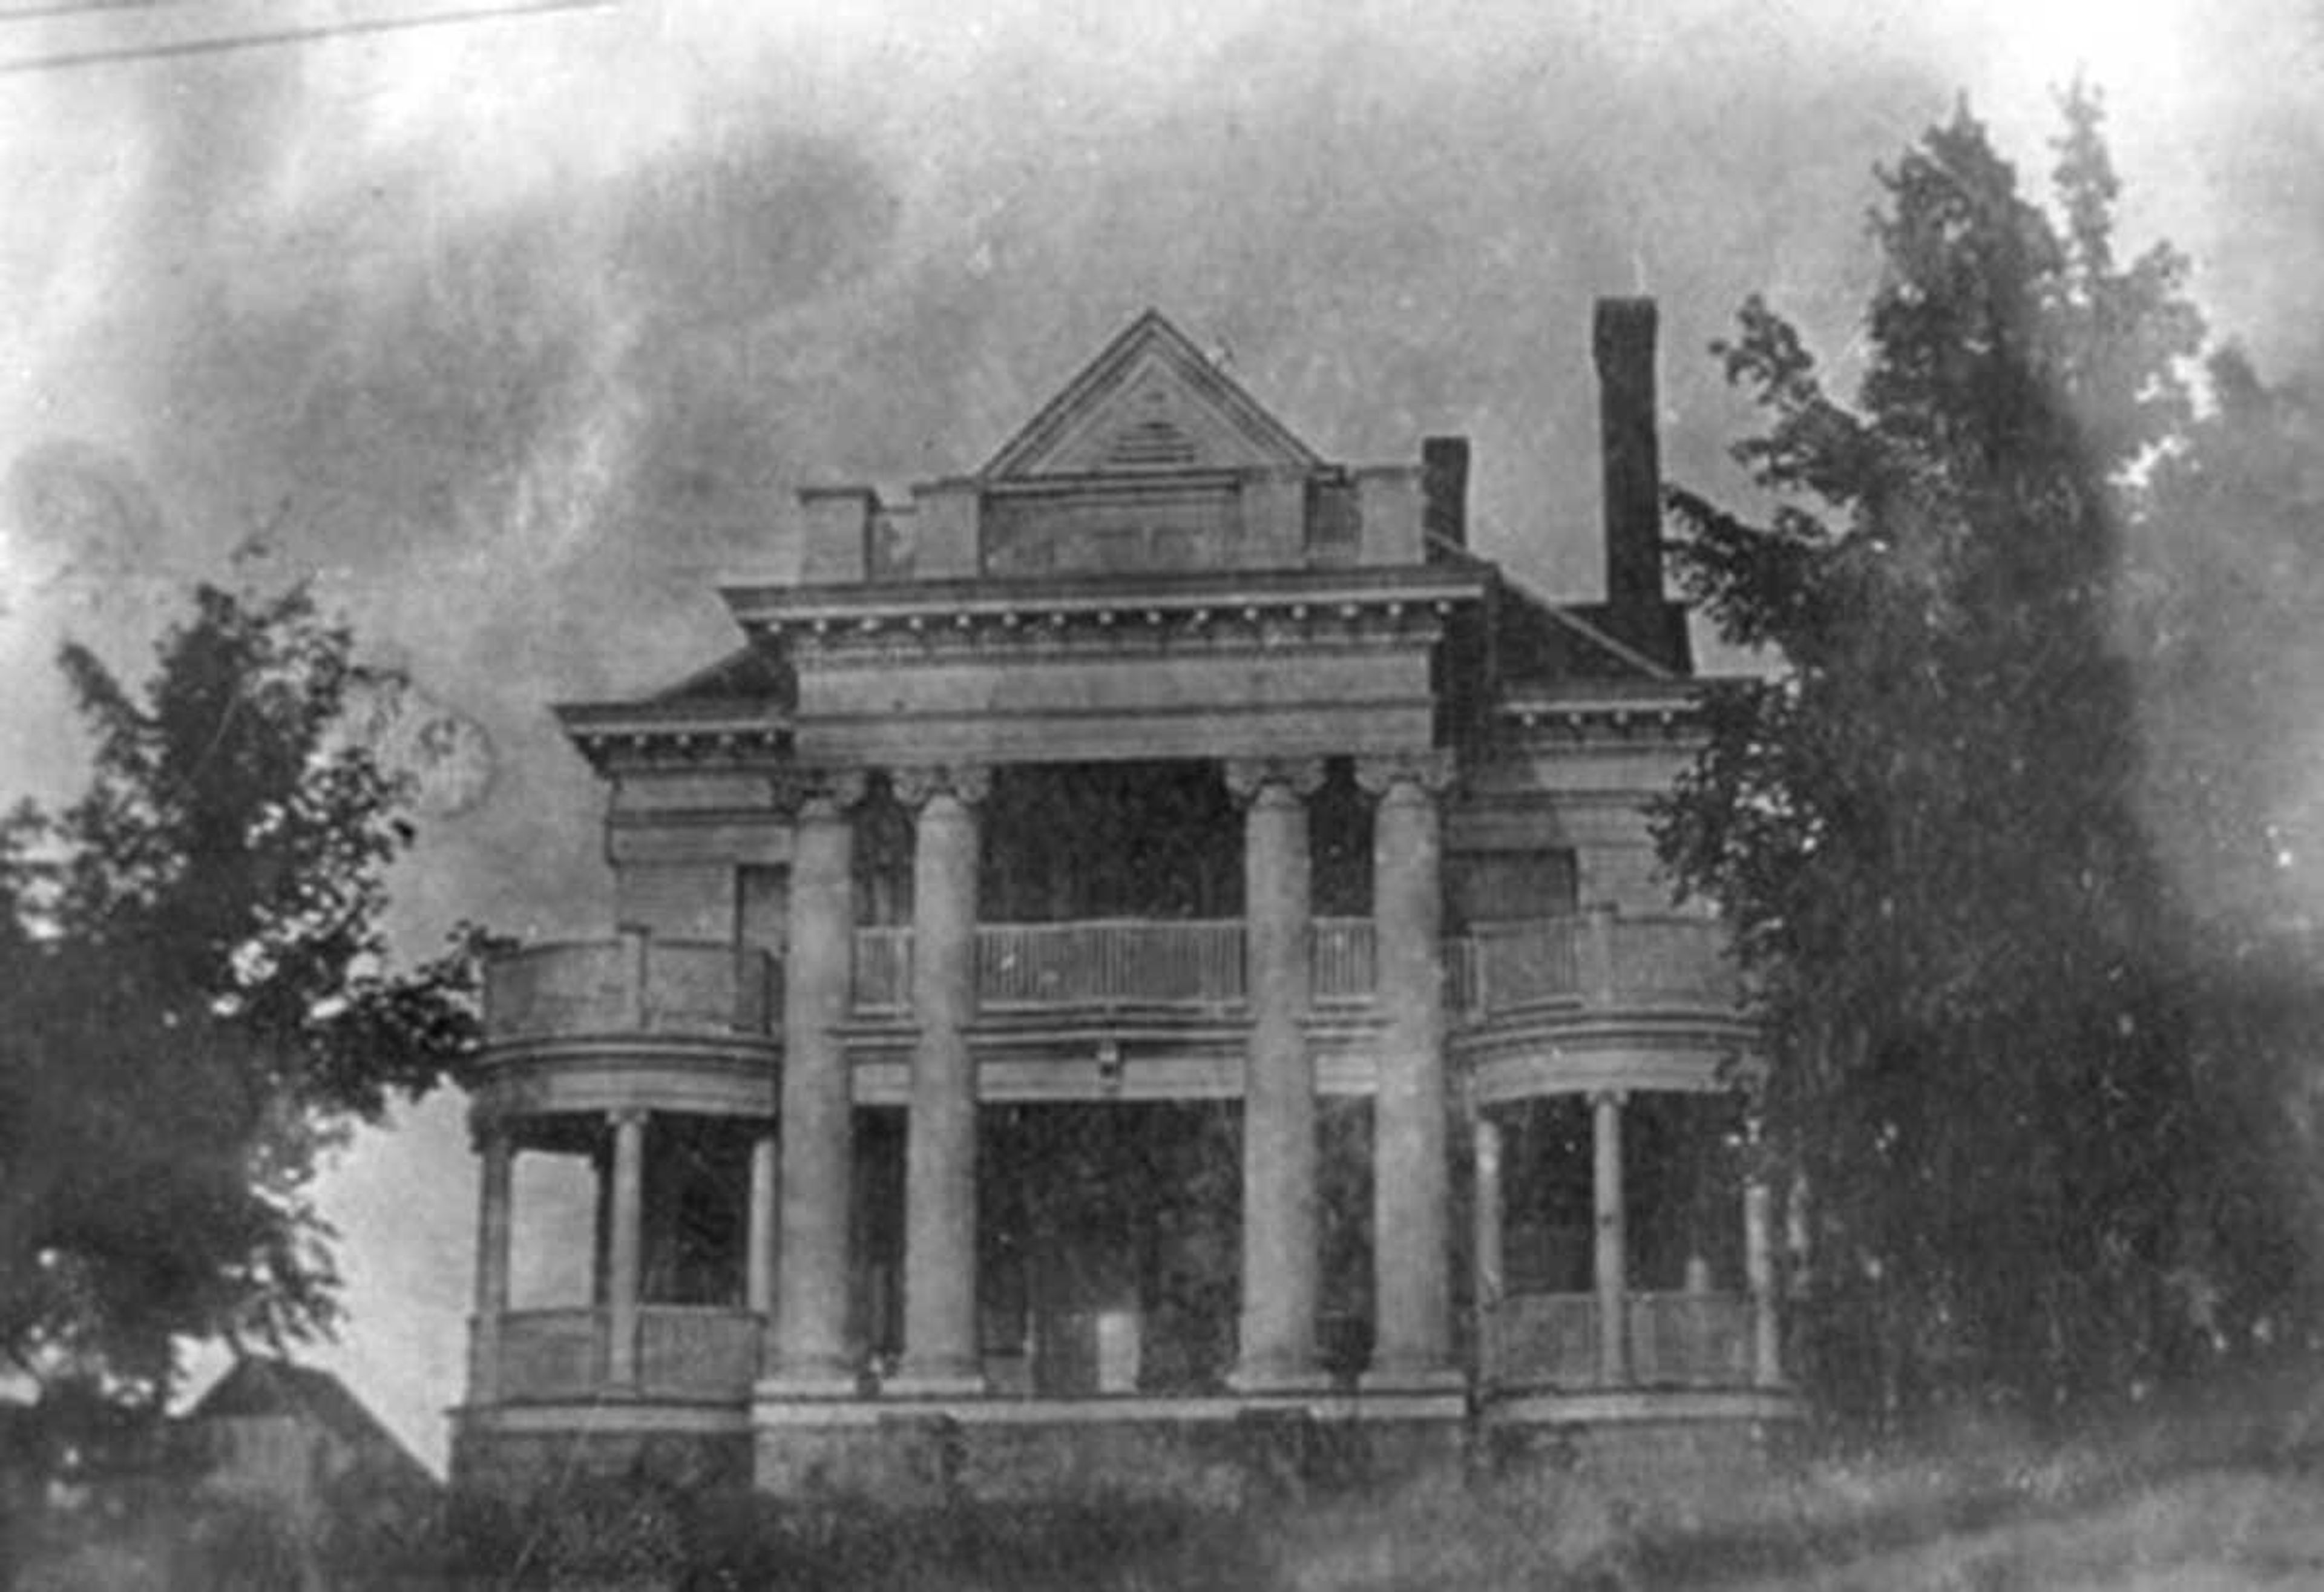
[711,1354]
[1612,1247]
[1107,1278]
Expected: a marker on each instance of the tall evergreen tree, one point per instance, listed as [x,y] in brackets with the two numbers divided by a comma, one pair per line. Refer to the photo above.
[1924,824]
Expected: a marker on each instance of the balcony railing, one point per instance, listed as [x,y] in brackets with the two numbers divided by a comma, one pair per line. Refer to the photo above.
[1345,962]
[1676,1340]
[1593,959]
[1113,961]
[634,984]
[1121,961]
[883,971]
[638,983]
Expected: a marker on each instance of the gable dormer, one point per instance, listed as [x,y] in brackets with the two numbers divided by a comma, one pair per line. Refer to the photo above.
[1150,461]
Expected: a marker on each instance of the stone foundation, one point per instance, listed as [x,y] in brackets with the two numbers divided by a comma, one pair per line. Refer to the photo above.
[1208,1454]
[513,1460]
[1203,1453]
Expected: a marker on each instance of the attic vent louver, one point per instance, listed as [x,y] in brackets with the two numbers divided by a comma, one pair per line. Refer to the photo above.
[1150,444]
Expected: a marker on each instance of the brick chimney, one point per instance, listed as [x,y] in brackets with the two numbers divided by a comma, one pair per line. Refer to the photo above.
[1635,612]
[1444,492]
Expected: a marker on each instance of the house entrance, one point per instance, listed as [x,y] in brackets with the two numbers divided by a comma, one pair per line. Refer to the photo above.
[1109,1247]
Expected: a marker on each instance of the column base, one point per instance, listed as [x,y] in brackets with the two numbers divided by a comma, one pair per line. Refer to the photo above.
[1413,1376]
[949,1379]
[1267,1377]
[810,1380]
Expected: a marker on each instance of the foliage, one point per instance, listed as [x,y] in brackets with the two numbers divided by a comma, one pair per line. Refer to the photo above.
[1926,825]
[2218,609]
[194,1000]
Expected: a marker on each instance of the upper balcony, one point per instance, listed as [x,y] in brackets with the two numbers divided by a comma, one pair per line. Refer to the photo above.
[1597,960]
[635,984]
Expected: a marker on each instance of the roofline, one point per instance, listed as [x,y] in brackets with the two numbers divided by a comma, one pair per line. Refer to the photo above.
[780,604]
[1093,376]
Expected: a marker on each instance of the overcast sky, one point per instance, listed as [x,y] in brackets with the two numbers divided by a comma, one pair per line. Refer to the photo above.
[518,334]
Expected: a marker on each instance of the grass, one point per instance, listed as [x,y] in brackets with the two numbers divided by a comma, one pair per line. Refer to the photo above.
[2209,1490]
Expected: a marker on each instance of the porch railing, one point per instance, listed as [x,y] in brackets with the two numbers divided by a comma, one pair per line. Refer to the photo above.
[696,1351]
[551,1354]
[1676,1339]
[683,1352]
[1548,1338]
[1691,1340]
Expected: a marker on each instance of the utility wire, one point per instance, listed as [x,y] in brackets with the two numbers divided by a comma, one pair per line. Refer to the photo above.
[65,60]
[46,9]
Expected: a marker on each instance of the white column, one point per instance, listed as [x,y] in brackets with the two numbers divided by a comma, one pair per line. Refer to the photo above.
[1595,972]
[495,1183]
[759,1238]
[1492,1273]
[1411,1180]
[1759,1274]
[1280,1262]
[942,1356]
[1799,1256]
[811,1353]
[1612,1253]
[623,1250]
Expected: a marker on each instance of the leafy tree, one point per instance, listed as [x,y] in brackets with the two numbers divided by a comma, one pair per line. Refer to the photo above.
[2224,580]
[2226,575]
[194,1003]
[1925,824]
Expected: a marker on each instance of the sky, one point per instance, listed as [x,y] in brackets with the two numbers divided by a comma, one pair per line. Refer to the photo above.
[516,334]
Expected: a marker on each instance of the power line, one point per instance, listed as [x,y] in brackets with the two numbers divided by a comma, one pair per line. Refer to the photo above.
[41,10]
[65,60]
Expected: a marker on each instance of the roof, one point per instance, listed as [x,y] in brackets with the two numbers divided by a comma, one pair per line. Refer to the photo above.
[261,1386]
[1149,402]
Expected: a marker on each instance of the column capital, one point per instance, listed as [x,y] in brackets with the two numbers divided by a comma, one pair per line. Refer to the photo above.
[490,1131]
[1250,779]
[628,1116]
[818,793]
[1617,1098]
[1430,774]
[967,783]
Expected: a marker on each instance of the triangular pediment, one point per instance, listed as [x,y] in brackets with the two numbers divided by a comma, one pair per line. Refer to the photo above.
[1150,403]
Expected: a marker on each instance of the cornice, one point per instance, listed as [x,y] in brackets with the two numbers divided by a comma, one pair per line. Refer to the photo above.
[1245,629]
[615,736]
[816,610]
[1570,720]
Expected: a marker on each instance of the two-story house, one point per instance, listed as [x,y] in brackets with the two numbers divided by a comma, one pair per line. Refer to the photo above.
[1153,933]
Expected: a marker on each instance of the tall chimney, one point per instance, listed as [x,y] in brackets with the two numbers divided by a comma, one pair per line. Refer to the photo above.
[1624,341]
[1444,490]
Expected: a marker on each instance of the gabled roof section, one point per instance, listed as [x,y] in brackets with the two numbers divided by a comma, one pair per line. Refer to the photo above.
[744,675]
[1541,643]
[1150,403]
[259,1387]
